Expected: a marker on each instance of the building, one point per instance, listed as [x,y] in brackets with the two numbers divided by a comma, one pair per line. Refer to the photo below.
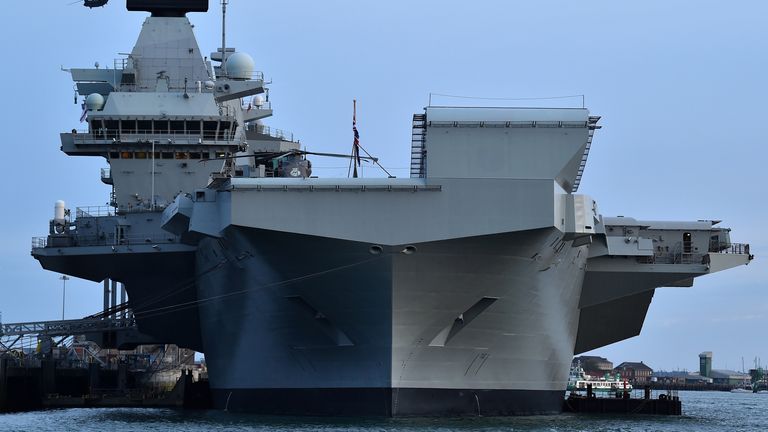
[593,365]
[721,376]
[679,377]
[635,373]
[705,363]
[729,377]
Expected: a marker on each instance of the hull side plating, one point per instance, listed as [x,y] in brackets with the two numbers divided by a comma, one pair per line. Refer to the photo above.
[482,324]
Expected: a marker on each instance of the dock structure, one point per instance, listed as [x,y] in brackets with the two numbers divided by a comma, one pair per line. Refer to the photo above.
[665,404]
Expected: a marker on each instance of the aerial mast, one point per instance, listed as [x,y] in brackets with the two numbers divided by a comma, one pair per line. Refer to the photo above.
[224,36]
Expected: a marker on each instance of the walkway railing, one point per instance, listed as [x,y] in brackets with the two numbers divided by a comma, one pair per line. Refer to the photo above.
[678,257]
[273,132]
[64,328]
[149,137]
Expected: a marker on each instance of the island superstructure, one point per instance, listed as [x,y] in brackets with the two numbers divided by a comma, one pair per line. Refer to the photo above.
[465,289]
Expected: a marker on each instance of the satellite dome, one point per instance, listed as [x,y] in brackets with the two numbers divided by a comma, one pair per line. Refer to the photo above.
[258,101]
[94,102]
[240,66]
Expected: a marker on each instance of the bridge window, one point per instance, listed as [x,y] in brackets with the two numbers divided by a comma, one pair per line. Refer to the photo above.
[224,130]
[193,127]
[167,155]
[128,126]
[177,126]
[112,127]
[161,126]
[144,126]
[209,129]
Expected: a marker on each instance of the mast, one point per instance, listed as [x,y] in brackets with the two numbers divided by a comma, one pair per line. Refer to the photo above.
[224,36]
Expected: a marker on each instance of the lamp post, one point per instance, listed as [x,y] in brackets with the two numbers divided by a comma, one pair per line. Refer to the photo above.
[64,280]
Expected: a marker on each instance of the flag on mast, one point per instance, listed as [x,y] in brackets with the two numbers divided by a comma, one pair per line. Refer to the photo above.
[84,115]
[356,142]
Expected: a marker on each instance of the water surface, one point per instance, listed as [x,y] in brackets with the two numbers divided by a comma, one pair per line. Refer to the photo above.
[702,411]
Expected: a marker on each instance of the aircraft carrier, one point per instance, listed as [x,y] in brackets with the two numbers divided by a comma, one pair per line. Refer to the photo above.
[464,289]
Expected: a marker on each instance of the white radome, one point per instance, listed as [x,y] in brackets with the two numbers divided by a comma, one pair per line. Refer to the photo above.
[94,102]
[240,66]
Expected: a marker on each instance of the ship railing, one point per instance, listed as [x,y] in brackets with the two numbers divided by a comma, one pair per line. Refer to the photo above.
[273,132]
[673,258]
[255,75]
[120,63]
[94,211]
[694,258]
[103,239]
[731,248]
[264,106]
[106,211]
[104,136]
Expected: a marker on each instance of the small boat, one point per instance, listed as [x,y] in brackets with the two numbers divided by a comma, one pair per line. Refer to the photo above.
[741,390]
[578,380]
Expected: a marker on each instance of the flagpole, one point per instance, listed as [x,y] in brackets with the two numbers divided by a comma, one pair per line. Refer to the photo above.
[355,151]
[352,154]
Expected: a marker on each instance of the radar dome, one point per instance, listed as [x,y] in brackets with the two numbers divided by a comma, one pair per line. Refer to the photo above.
[94,102]
[258,101]
[240,66]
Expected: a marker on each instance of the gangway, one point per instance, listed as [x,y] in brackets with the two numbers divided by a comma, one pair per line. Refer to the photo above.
[121,333]
[65,327]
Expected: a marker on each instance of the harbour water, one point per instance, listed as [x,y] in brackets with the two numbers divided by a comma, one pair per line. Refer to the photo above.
[702,411]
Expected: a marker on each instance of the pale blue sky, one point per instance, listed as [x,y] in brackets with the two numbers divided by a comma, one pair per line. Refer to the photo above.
[681,87]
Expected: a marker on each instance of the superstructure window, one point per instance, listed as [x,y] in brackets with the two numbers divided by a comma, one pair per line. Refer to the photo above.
[161,126]
[177,126]
[224,130]
[167,155]
[140,155]
[193,127]
[126,155]
[128,126]
[144,126]
[182,155]
[209,129]
[114,155]
[112,128]
[96,128]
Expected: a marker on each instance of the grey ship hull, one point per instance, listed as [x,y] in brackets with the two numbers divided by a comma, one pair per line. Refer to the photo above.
[310,325]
